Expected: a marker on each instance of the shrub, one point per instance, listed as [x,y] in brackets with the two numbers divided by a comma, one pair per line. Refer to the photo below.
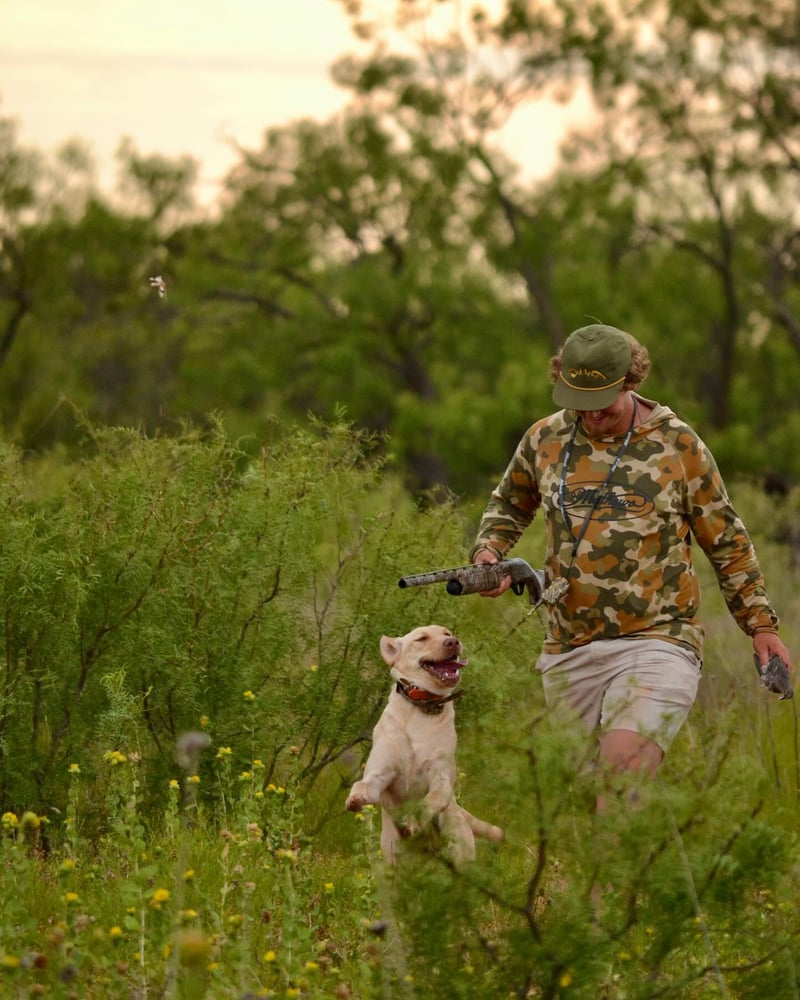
[166,585]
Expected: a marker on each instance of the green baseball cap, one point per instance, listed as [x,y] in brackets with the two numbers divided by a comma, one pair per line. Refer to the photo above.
[594,362]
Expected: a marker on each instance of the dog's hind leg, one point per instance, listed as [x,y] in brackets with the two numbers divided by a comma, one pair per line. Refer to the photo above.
[459,843]
[390,837]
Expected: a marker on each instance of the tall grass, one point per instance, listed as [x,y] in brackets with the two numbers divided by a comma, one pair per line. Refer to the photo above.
[190,679]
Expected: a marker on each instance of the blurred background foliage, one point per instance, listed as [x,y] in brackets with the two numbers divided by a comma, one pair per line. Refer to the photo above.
[393,265]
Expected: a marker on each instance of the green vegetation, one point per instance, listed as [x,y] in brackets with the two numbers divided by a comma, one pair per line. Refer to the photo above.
[207,498]
[395,265]
[190,678]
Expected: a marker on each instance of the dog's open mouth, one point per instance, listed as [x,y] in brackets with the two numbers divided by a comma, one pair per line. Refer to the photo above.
[447,671]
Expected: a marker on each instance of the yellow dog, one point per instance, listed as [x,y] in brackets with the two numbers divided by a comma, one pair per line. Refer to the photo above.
[411,770]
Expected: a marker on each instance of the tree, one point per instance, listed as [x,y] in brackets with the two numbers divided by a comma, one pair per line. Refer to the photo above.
[346,251]
[78,320]
[19,172]
[694,150]
[394,263]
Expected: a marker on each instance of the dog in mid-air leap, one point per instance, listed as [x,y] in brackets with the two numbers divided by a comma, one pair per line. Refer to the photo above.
[411,770]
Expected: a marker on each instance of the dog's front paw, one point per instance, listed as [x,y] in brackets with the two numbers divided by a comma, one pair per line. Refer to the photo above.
[357,798]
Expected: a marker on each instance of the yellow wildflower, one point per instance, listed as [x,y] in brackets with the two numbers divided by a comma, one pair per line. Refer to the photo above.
[30,821]
[194,947]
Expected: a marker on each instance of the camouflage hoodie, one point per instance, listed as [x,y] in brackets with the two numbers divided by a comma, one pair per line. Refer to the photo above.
[631,574]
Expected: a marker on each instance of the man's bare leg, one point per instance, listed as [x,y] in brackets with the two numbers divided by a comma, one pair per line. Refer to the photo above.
[625,751]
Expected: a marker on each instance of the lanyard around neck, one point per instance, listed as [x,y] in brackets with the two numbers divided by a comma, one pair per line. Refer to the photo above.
[598,493]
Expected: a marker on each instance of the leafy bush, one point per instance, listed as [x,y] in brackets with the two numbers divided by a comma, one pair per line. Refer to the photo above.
[190,678]
[174,584]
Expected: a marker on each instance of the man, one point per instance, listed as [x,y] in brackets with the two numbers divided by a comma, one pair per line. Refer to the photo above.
[624,484]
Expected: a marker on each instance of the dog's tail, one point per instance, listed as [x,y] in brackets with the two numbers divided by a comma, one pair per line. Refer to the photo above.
[482,829]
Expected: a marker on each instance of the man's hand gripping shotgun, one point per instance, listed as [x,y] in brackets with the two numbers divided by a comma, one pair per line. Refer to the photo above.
[484,576]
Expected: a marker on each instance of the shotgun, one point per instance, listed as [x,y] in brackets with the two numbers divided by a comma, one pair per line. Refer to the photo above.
[484,576]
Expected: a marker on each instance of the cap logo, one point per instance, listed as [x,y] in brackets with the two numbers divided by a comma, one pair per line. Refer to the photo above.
[592,373]
[586,372]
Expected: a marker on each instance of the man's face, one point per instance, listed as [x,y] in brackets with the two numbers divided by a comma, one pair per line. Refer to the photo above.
[614,419]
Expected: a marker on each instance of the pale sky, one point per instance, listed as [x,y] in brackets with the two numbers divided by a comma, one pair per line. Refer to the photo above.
[182,76]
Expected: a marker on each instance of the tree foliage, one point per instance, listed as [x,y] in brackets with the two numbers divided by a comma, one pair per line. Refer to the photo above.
[394,263]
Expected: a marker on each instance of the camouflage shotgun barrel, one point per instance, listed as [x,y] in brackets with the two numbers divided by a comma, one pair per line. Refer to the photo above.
[484,576]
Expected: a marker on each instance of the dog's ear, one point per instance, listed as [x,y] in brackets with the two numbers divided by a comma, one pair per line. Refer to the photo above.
[390,648]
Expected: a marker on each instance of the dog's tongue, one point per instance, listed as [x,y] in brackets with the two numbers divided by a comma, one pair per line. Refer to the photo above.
[448,671]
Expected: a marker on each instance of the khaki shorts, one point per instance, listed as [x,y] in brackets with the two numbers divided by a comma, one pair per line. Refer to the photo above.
[644,685]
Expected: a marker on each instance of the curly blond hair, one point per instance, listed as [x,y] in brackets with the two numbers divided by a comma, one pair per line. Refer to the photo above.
[637,373]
